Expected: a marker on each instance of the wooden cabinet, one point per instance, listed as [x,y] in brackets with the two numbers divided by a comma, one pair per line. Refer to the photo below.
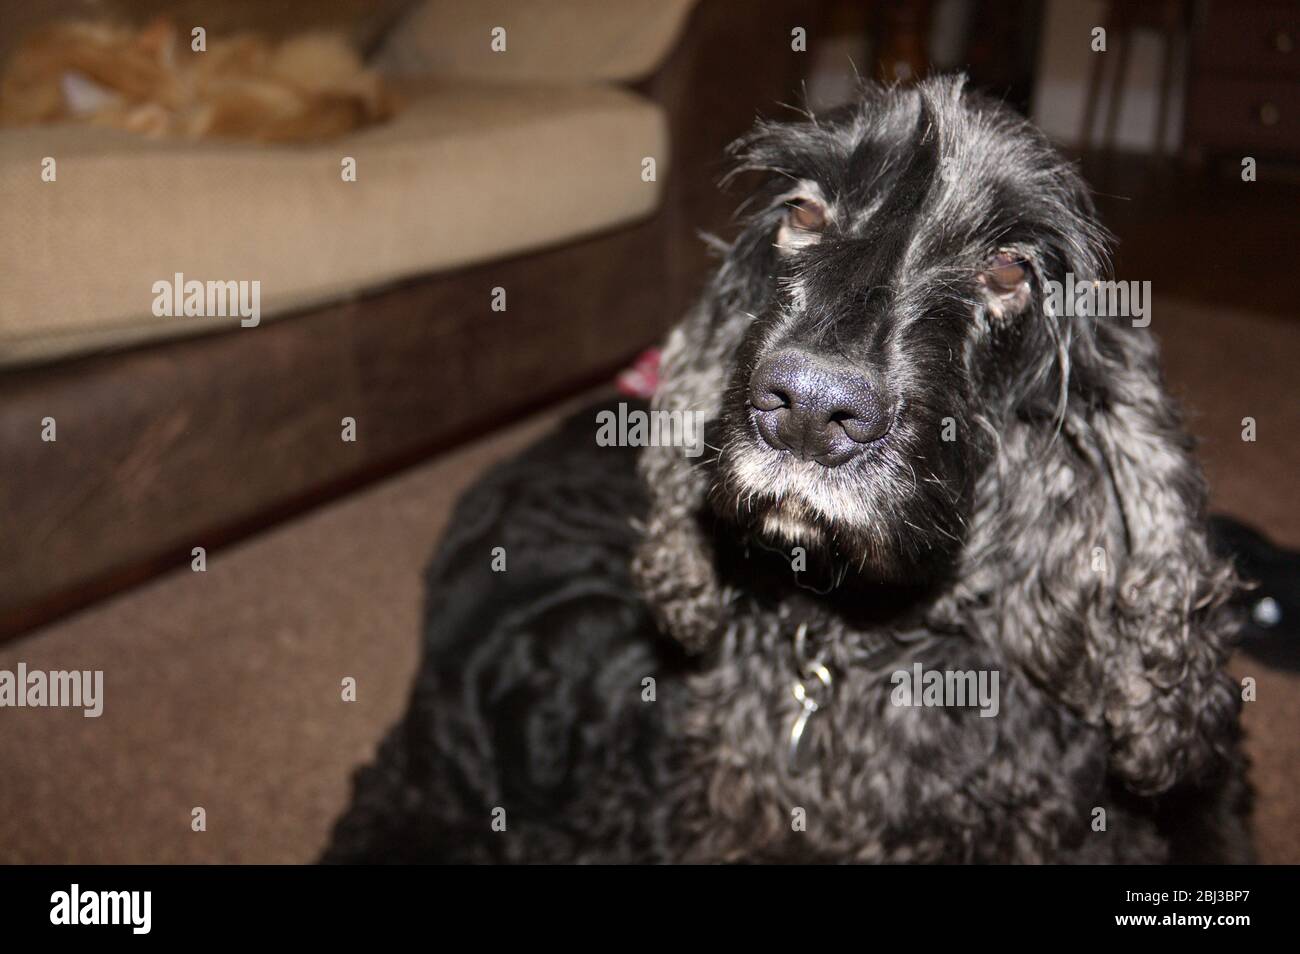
[1243,91]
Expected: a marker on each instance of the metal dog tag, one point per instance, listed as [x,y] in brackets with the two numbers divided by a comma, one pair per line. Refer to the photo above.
[810,694]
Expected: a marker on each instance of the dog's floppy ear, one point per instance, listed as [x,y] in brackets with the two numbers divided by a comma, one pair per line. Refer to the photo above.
[674,566]
[1162,630]
[1115,602]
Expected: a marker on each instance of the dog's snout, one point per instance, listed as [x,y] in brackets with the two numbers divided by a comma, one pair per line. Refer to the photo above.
[817,408]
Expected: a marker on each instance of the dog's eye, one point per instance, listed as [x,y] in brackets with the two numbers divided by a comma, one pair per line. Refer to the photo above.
[1005,271]
[1005,279]
[804,219]
[805,214]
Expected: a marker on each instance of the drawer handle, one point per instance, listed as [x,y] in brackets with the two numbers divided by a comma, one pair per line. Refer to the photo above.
[1269,114]
[1283,42]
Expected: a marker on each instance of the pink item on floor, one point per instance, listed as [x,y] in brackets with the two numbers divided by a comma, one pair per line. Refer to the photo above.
[642,379]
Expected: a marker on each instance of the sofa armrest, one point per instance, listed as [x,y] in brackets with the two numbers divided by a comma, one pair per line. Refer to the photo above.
[560,41]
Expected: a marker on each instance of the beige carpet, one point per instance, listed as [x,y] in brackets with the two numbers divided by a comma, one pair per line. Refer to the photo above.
[1226,366]
[223,688]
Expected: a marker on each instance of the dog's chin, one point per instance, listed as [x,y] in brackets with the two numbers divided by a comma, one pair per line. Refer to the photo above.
[790,525]
[796,532]
[849,521]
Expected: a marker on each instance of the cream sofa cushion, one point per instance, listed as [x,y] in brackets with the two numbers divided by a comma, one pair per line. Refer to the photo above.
[545,40]
[464,174]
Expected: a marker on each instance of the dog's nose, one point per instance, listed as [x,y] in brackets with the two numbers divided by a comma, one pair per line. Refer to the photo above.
[816,408]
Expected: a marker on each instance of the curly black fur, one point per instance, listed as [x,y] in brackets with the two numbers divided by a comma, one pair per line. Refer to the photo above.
[1058,540]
